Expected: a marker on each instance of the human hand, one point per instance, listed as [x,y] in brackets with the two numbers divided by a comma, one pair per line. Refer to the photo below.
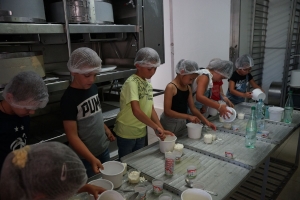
[92,189]
[96,164]
[193,119]
[223,111]
[248,95]
[160,133]
[166,132]
[110,136]
[211,125]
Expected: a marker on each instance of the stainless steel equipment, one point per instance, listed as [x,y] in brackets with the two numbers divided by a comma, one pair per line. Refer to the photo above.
[274,93]
[135,27]
[84,11]
[77,11]
[13,63]
[31,11]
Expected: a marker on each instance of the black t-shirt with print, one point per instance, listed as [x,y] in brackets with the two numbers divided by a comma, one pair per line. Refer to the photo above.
[239,79]
[14,131]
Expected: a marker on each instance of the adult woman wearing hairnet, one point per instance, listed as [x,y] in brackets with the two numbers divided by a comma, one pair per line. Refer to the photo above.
[25,93]
[216,70]
[42,172]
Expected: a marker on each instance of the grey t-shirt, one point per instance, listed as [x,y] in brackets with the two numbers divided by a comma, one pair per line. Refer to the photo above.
[84,107]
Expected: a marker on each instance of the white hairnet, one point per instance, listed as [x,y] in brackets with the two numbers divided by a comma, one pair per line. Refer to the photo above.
[147,57]
[185,67]
[245,61]
[84,60]
[28,91]
[223,67]
[51,170]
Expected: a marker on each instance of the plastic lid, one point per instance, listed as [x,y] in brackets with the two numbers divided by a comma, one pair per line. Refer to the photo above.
[231,117]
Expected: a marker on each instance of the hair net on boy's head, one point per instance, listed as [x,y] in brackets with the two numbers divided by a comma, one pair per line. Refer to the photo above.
[51,170]
[28,91]
[185,67]
[223,67]
[147,57]
[245,61]
[84,60]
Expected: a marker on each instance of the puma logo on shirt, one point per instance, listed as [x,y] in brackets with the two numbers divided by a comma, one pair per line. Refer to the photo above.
[89,107]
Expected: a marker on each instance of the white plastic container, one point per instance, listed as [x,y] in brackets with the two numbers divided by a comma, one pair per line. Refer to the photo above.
[194,193]
[194,130]
[212,111]
[231,116]
[276,113]
[157,186]
[113,171]
[110,194]
[168,144]
[257,94]
[106,184]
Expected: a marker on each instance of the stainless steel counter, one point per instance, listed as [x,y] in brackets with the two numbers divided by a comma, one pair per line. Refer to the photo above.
[213,173]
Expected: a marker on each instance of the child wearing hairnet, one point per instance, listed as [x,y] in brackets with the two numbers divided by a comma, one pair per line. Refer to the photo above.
[178,97]
[25,93]
[216,70]
[49,170]
[238,82]
[81,111]
[136,105]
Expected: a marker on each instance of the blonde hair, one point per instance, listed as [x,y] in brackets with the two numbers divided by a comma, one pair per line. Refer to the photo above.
[20,157]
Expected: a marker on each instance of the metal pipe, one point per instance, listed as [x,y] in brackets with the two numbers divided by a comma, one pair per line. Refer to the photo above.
[172,38]
[66,27]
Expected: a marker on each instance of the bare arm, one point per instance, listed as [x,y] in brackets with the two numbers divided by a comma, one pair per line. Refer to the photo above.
[109,134]
[197,113]
[80,148]
[91,189]
[254,84]
[202,83]
[228,102]
[237,93]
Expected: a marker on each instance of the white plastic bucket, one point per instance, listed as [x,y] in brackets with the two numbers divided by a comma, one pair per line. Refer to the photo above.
[110,194]
[168,144]
[212,111]
[113,171]
[194,130]
[106,184]
[257,94]
[193,194]
[276,113]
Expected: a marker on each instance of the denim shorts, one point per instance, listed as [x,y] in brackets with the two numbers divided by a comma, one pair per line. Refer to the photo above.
[127,146]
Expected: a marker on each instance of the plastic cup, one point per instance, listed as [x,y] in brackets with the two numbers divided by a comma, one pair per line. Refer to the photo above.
[157,186]
[235,127]
[165,197]
[191,171]
[241,115]
[229,153]
[141,190]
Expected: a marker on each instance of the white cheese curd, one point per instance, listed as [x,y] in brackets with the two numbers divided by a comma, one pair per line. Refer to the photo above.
[134,177]
[208,138]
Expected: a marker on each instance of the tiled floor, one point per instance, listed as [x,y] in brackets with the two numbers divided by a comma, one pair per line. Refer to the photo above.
[286,152]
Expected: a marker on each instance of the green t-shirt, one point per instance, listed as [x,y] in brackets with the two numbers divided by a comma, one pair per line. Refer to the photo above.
[134,89]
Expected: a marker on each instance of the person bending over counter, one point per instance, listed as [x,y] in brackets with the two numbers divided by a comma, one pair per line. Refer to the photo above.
[178,95]
[136,105]
[25,93]
[216,70]
[238,82]
[81,111]
[43,171]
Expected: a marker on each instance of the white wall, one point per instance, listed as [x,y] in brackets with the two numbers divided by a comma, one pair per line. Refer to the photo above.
[201,32]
